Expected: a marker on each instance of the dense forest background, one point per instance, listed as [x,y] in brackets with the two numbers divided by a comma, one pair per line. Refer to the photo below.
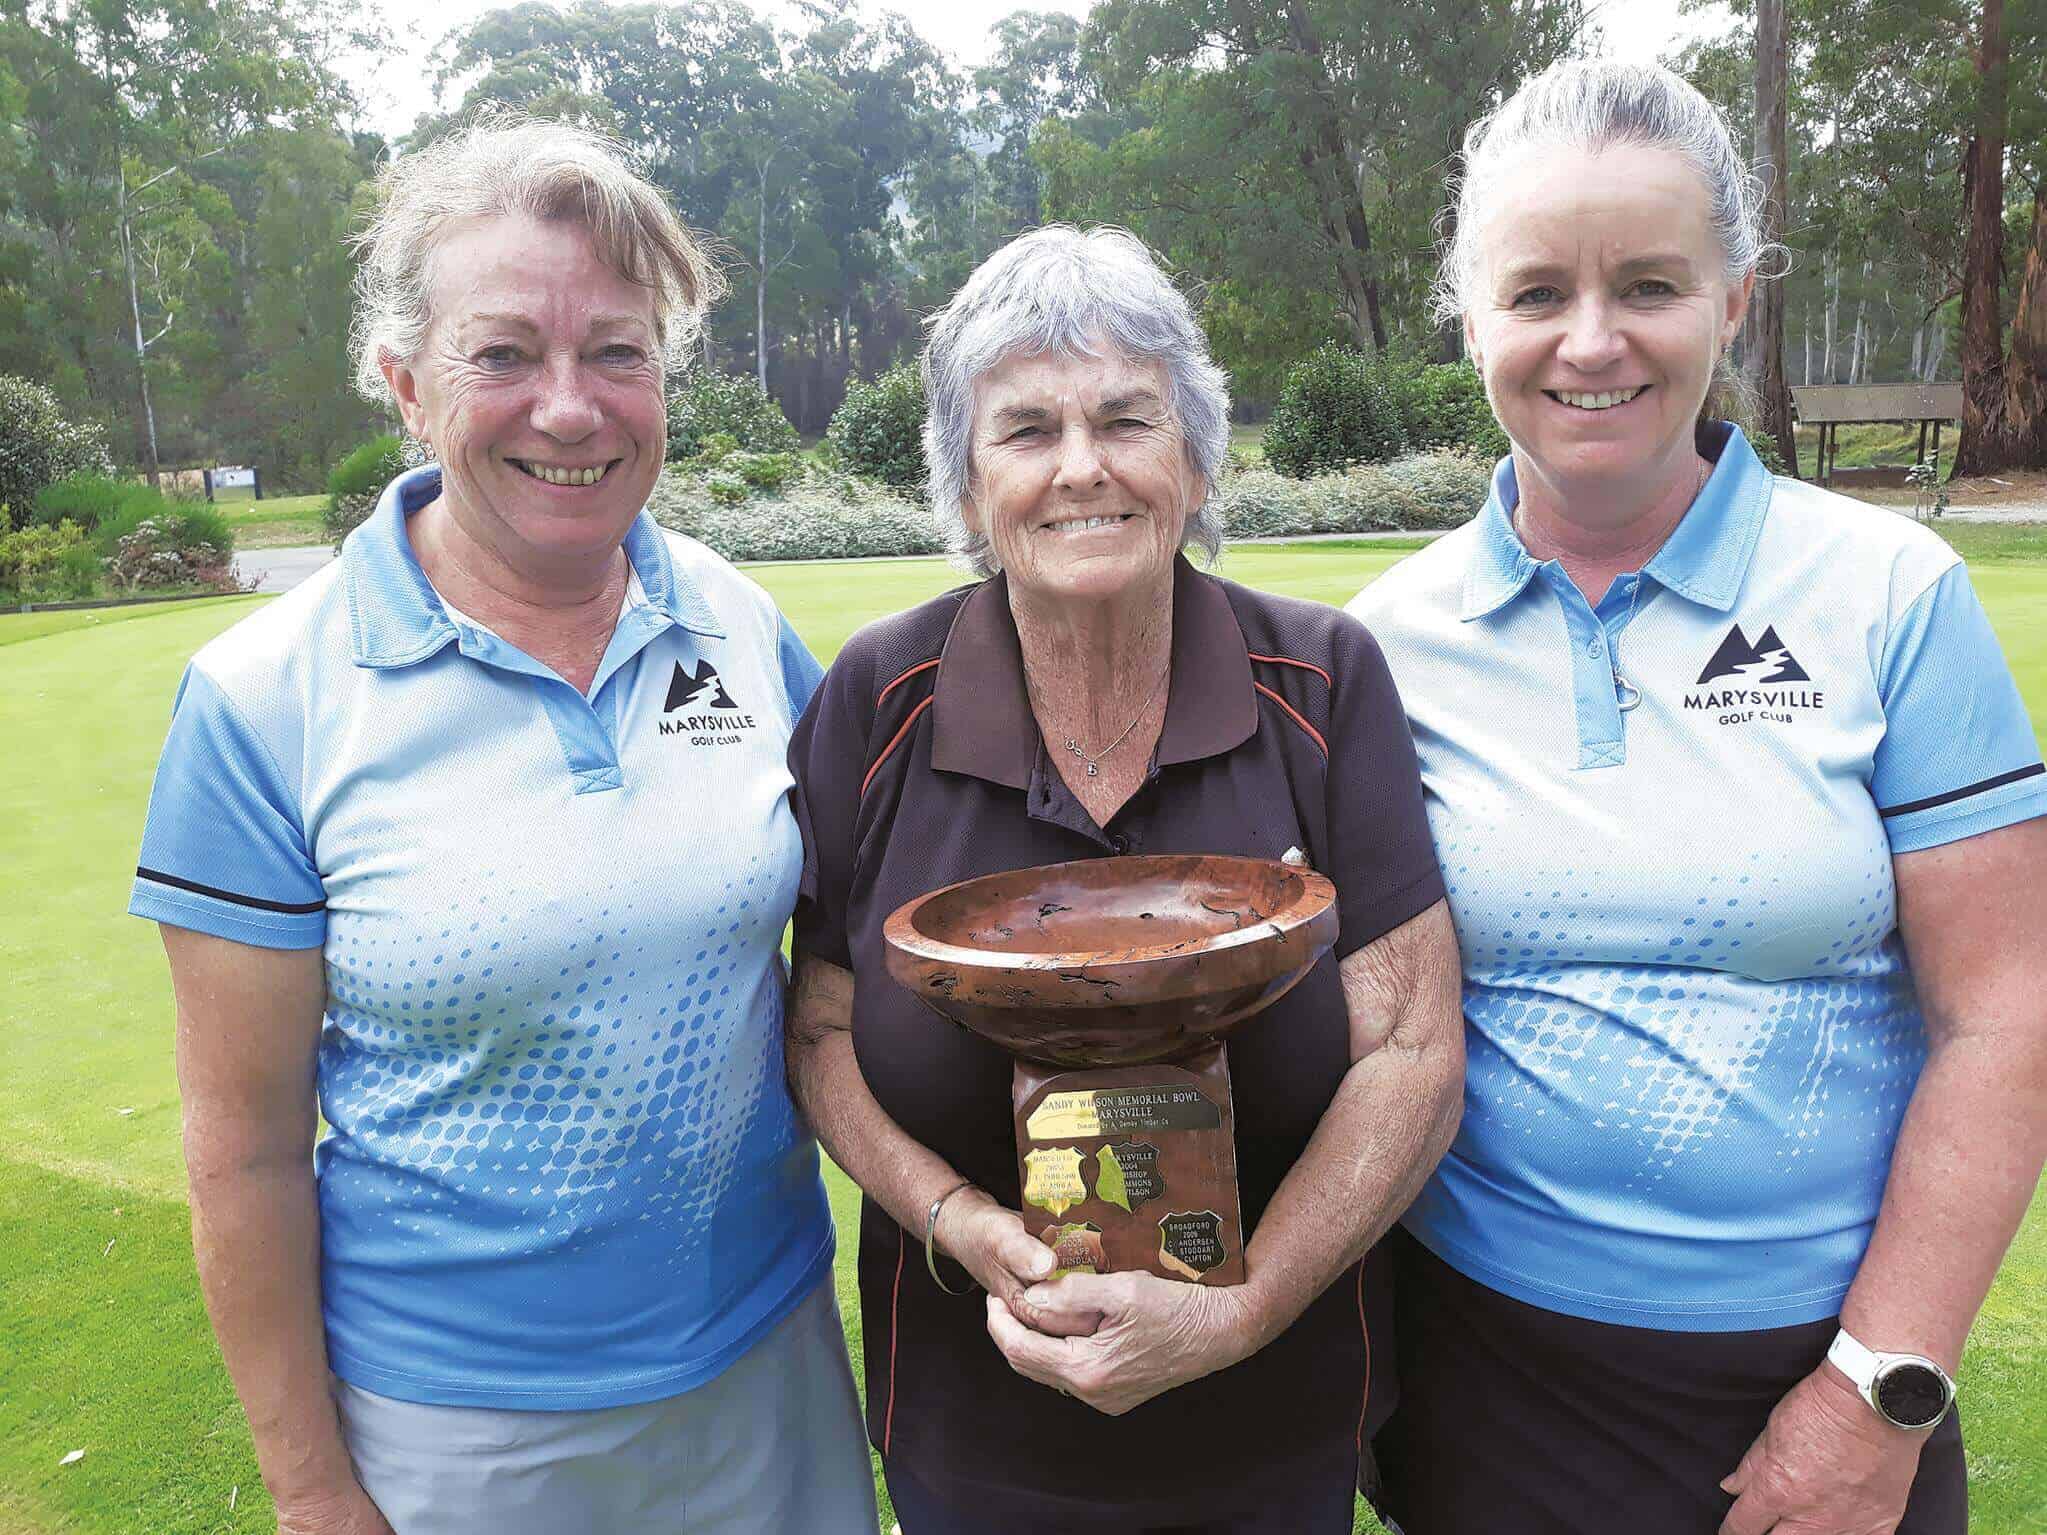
[178,179]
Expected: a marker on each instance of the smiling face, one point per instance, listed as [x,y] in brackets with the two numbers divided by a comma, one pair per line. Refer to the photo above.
[539,386]
[1602,304]
[1080,478]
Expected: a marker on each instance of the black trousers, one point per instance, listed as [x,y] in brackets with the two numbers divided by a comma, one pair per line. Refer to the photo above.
[1316,1500]
[1512,1418]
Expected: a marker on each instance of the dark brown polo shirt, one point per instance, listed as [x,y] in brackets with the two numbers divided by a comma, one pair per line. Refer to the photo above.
[919,764]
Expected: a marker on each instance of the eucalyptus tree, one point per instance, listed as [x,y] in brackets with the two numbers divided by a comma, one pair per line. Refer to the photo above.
[1312,133]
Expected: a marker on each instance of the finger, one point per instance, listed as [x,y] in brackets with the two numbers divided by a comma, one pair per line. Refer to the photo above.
[1029,1353]
[1749,1516]
[1735,1483]
[1024,1255]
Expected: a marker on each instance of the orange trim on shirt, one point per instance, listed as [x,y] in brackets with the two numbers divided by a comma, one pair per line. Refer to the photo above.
[897,740]
[1367,1333]
[921,666]
[888,1421]
[1306,666]
[1292,713]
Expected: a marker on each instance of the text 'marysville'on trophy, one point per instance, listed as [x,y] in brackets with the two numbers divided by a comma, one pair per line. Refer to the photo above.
[1113,983]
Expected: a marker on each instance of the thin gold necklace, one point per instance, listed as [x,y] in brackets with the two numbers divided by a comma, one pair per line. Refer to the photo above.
[1093,760]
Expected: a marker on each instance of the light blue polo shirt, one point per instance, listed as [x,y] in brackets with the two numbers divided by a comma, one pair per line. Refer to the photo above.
[1690,1027]
[562,1169]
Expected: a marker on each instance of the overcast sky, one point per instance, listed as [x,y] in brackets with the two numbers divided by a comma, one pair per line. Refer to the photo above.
[1640,30]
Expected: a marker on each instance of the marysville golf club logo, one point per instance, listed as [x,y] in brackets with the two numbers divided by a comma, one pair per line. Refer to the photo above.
[721,717]
[1768,678]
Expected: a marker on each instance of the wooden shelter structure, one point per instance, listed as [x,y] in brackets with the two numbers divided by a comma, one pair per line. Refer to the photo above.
[1828,406]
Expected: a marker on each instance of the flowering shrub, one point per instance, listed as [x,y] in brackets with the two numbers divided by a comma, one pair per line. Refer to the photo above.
[1422,491]
[160,553]
[824,517]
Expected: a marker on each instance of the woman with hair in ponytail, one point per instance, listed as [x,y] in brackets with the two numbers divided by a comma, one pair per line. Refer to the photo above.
[1739,813]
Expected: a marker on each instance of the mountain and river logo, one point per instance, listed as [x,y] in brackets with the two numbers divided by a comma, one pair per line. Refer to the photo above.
[1758,681]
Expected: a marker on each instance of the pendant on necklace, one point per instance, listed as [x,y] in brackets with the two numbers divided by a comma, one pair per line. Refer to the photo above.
[1625,694]
[1090,770]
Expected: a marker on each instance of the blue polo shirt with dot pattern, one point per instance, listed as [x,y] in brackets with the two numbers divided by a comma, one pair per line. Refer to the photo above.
[1667,824]
[561,1168]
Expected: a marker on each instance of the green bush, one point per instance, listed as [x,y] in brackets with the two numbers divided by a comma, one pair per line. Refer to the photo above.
[38,446]
[47,564]
[763,471]
[878,430]
[733,405]
[1334,409]
[358,482]
[1444,406]
[369,466]
[91,498]
[714,448]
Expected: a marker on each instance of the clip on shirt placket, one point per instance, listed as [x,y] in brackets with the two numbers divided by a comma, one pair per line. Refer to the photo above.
[1595,686]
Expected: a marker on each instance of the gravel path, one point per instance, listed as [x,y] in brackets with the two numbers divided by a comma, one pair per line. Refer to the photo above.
[279,570]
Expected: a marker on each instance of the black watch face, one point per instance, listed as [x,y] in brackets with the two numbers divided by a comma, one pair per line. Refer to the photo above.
[1911,1395]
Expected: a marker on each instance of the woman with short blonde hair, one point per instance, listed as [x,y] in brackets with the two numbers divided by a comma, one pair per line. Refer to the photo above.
[478,846]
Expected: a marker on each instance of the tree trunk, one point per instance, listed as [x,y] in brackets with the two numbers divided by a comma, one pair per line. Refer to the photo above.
[1450,334]
[1805,334]
[1858,347]
[1327,161]
[1983,256]
[2025,366]
[1831,318]
[760,289]
[1768,355]
[141,346]
[1918,349]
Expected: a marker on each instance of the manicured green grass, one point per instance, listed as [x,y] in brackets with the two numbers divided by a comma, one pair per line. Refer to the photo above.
[106,1349]
[276,522]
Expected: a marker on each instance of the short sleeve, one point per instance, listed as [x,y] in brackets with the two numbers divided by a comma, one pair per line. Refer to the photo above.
[224,849]
[800,672]
[825,755]
[1381,854]
[1958,755]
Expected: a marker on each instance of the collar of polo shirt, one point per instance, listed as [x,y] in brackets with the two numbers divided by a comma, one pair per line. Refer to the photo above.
[1705,559]
[396,618]
[981,715]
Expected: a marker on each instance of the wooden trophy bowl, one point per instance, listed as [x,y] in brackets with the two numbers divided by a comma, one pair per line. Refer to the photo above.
[1113,961]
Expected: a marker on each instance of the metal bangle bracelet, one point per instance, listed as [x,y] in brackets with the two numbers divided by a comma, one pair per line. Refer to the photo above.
[931,1227]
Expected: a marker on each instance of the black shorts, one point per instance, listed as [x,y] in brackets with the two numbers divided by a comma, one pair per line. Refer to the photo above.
[1315,1498]
[1512,1418]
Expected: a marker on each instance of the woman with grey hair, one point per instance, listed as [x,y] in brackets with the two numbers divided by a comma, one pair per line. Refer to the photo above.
[1092,695]
[1743,814]
[478,846]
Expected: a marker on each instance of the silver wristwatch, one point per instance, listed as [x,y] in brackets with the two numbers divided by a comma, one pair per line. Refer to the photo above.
[1908,1391]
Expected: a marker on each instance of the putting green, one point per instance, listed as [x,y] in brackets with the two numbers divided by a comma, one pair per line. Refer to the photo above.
[104,1342]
